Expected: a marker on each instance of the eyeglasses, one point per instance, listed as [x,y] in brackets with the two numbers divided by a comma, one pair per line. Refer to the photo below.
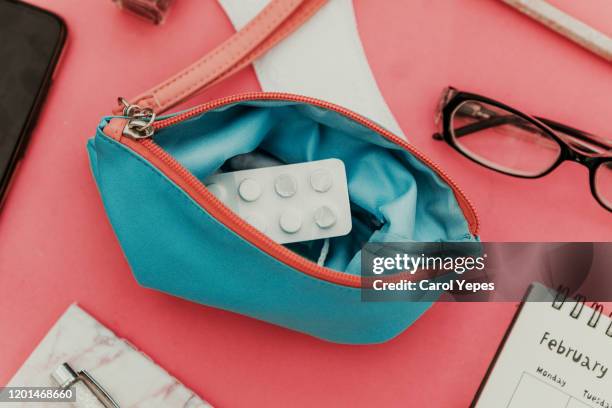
[508,141]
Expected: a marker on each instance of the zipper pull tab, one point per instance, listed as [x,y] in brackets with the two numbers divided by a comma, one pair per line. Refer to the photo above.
[140,123]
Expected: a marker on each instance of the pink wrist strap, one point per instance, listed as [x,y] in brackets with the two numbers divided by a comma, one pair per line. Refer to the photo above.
[275,22]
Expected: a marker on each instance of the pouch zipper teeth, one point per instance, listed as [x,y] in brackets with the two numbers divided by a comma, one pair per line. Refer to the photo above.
[354,116]
[224,214]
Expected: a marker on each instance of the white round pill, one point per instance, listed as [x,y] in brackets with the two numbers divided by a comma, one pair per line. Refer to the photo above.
[256,220]
[285,185]
[321,180]
[217,190]
[249,190]
[291,221]
[325,217]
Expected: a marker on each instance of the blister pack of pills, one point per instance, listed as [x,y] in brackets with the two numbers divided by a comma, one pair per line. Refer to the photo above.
[289,203]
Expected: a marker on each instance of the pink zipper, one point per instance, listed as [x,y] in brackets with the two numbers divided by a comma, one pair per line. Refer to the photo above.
[196,189]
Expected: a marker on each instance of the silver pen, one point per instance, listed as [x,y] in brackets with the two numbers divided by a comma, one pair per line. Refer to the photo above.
[65,376]
[566,25]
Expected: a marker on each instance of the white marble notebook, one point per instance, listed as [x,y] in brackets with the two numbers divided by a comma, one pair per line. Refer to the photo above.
[558,354]
[129,376]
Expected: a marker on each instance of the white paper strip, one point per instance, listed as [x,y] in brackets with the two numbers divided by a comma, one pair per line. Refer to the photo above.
[323,59]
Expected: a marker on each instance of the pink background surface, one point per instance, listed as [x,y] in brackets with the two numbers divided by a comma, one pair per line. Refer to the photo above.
[56,245]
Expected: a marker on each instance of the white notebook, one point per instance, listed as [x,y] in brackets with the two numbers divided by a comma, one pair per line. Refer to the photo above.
[131,378]
[557,354]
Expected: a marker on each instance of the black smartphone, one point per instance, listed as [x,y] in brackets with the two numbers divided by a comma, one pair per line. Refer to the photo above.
[31,44]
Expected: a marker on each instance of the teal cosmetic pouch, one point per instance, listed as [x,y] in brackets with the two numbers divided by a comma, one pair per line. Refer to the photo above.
[180,239]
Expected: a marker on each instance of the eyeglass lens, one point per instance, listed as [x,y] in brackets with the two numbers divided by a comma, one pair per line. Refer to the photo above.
[503,140]
[603,184]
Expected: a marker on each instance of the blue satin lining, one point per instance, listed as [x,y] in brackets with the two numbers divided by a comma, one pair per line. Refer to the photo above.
[389,188]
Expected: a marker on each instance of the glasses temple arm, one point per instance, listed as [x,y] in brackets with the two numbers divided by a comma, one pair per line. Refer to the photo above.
[499,120]
[486,124]
[578,134]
